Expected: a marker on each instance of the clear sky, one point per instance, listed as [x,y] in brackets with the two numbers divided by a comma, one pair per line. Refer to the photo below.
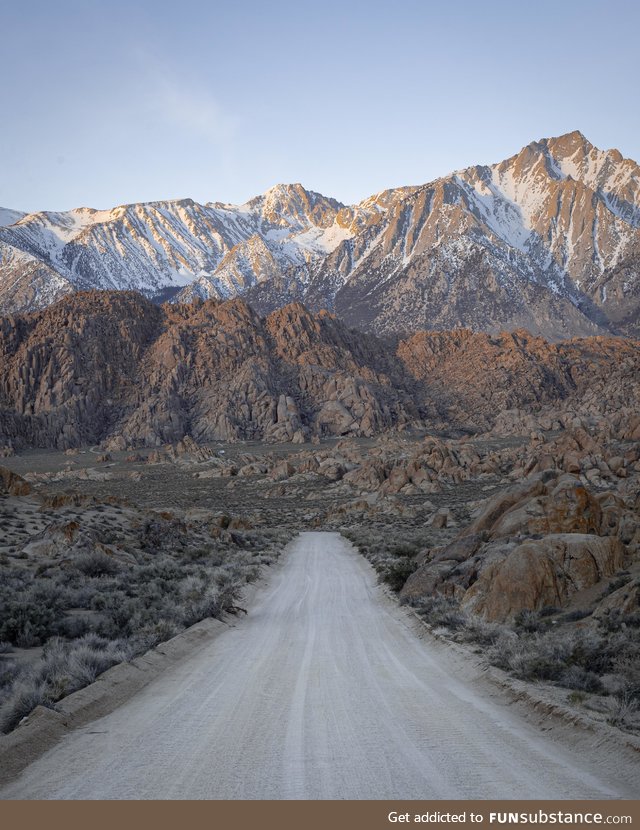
[103,103]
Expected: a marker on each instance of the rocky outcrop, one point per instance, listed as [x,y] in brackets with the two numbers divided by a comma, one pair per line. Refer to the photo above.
[12,484]
[114,368]
[532,546]
[542,573]
[515,383]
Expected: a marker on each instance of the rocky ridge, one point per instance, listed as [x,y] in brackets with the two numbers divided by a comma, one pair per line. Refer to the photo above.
[100,366]
[113,366]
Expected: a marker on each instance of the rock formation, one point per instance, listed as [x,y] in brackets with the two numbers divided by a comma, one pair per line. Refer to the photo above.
[532,546]
[115,368]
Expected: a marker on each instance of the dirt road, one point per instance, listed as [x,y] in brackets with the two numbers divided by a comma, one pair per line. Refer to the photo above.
[322,691]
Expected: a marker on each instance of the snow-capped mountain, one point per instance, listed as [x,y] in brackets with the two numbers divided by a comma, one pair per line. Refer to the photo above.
[162,245]
[294,230]
[548,240]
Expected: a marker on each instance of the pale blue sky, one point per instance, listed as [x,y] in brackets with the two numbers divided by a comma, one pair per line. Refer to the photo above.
[104,103]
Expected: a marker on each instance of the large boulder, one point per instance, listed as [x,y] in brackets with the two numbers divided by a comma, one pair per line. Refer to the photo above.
[336,419]
[567,507]
[12,484]
[544,572]
[535,544]
[507,500]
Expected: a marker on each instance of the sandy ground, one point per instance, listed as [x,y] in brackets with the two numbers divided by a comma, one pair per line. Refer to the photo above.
[322,691]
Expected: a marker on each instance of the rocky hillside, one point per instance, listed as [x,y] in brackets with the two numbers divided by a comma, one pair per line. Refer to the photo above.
[101,364]
[548,240]
[112,365]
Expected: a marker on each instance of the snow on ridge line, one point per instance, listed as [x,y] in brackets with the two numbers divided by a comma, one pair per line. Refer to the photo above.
[9,216]
[169,243]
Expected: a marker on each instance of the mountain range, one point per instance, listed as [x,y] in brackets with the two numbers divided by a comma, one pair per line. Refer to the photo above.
[547,240]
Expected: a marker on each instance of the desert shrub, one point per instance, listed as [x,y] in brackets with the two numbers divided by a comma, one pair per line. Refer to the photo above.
[159,632]
[133,608]
[30,618]
[576,660]
[482,632]
[624,708]
[396,573]
[108,594]
[72,627]
[404,549]
[533,657]
[613,621]
[528,621]
[577,614]
[194,587]
[81,590]
[591,652]
[8,672]
[575,677]
[28,612]
[617,621]
[25,696]
[87,661]
[119,616]
[96,563]
[627,668]
[453,620]
[505,647]
[210,605]
[211,555]
[440,611]
[63,668]
[163,569]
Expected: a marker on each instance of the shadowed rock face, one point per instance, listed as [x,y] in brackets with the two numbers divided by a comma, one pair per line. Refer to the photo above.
[477,378]
[100,364]
[12,484]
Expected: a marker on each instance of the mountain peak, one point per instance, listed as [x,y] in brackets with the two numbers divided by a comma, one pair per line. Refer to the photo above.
[575,136]
[288,189]
[287,204]
[297,192]
[567,145]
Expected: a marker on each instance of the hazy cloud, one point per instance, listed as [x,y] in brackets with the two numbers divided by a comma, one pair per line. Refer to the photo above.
[174,98]
[184,105]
